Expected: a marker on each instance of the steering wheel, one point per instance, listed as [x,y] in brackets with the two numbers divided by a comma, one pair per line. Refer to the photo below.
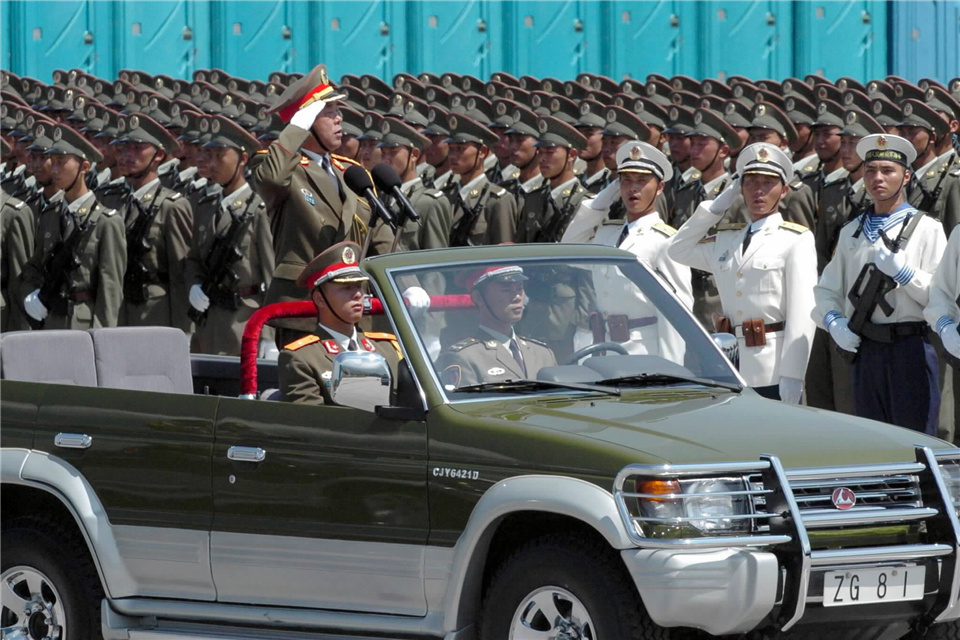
[600,346]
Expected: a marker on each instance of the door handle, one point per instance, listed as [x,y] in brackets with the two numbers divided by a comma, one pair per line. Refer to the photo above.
[73,440]
[246,454]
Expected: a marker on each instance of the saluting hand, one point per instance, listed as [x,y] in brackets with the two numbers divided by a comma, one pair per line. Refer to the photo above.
[305,117]
[725,200]
[607,196]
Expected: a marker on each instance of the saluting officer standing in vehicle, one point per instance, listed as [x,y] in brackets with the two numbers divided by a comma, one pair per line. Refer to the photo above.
[335,282]
[943,312]
[765,272]
[231,260]
[301,182]
[91,287]
[895,375]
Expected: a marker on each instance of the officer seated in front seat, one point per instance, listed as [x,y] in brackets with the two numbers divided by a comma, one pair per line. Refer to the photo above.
[305,366]
[495,353]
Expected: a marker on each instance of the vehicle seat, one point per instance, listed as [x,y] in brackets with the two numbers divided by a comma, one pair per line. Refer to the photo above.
[56,356]
[143,359]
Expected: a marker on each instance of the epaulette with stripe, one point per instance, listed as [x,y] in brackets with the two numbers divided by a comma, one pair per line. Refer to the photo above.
[463,344]
[708,239]
[665,229]
[379,335]
[302,342]
[793,226]
[497,191]
[262,152]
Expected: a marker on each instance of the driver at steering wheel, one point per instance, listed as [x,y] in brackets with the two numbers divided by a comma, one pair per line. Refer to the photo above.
[496,353]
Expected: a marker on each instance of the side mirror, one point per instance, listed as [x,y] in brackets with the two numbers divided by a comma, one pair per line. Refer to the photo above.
[727,342]
[361,380]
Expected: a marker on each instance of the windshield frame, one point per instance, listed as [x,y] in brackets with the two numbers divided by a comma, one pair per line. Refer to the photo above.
[450,398]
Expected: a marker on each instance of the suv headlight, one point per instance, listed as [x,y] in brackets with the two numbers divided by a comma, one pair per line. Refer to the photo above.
[951,478]
[685,508]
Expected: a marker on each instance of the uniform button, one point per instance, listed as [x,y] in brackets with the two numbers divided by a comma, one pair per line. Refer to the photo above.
[739,274]
[739,293]
[739,313]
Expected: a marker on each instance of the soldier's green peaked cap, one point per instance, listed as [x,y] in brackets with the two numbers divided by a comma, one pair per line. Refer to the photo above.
[556,133]
[66,141]
[463,129]
[401,134]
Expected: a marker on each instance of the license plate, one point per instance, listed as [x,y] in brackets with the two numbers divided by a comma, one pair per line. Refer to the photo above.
[870,585]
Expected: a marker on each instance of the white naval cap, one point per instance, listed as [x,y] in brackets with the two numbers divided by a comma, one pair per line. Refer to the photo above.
[766,159]
[883,146]
[640,157]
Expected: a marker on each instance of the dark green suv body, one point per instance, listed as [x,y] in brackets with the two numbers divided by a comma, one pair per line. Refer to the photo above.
[641,492]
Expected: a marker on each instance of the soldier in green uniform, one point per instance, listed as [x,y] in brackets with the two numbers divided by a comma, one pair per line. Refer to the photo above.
[159,225]
[402,147]
[16,236]
[826,136]
[935,187]
[802,114]
[771,125]
[591,124]
[522,138]
[89,294]
[335,282]
[828,381]
[483,213]
[231,258]
[496,353]
[711,141]
[547,211]
[301,182]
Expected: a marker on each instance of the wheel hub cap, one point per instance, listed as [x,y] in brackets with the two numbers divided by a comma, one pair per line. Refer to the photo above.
[552,613]
[30,606]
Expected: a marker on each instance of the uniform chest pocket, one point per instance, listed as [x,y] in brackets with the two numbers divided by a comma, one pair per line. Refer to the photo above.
[770,272]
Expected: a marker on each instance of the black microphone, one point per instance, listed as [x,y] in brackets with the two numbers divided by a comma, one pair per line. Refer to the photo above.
[359,182]
[387,180]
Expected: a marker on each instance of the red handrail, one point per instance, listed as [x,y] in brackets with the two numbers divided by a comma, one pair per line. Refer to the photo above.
[249,347]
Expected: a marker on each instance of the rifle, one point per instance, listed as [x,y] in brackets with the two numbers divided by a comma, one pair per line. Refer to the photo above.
[554,229]
[930,197]
[460,234]
[867,297]
[137,274]
[56,271]
[218,266]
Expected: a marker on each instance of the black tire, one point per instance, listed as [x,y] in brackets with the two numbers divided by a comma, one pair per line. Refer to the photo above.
[946,631]
[46,548]
[592,572]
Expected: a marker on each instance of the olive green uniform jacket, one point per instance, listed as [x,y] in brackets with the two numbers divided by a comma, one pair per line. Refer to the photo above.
[946,207]
[484,359]
[222,330]
[545,215]
[307,215]
[17,227]
[496,221]
[169,237]
[305,367]
[102,253]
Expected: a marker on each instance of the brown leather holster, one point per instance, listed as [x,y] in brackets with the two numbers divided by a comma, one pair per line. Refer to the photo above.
[754,333]
[722,324]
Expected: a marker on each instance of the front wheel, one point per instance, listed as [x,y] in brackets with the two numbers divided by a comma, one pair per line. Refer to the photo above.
[50,588]
[564,586]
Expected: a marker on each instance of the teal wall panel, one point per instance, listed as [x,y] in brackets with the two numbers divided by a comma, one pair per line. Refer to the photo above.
[171,37]
[711,38]
[925,38]
[753,39]
[839,39]
[649,37]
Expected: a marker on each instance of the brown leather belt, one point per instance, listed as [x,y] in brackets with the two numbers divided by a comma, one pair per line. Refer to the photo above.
[754,332]
[619,326]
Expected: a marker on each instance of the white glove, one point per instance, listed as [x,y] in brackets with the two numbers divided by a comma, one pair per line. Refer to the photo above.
[33,306]
[198,299]
[951,339]
[894,265]
[725,200]
[305,117]
[607,196]
[841,334]
[268,349]
[417,300]
[790,390]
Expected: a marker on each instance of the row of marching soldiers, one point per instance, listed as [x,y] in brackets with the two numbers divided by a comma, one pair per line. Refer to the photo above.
[179,183]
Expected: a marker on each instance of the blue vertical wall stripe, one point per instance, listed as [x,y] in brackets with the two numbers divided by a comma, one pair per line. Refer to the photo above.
[863,39]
